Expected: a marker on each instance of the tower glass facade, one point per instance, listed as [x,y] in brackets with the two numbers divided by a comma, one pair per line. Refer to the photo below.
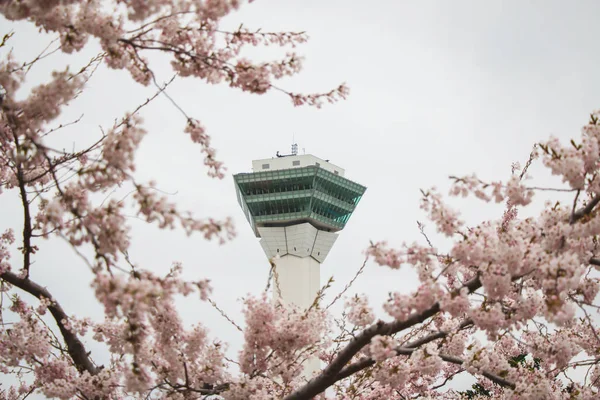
[288,196]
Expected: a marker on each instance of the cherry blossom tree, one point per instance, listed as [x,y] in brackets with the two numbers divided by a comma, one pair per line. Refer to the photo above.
[511,302]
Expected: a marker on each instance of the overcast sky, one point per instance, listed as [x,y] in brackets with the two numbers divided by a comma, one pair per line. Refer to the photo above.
[437,88]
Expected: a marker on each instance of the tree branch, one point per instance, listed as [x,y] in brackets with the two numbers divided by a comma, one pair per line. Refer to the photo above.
[582,212]
[437,335]
[330,374]
[75,347]
[368,362]
[27,231]
[458,361]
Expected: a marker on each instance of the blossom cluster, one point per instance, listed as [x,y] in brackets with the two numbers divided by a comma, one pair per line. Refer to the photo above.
[277,338]
[529,284]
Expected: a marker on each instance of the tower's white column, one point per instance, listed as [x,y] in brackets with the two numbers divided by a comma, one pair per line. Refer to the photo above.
[297,252]
[296,280]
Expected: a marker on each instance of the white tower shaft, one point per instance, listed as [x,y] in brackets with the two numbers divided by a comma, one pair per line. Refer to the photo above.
[297,252]
[296,280]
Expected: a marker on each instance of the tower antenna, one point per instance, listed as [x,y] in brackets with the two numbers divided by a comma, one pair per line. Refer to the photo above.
[294,146]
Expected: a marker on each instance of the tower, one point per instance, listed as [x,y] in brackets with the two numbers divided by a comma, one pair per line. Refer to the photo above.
[295,204]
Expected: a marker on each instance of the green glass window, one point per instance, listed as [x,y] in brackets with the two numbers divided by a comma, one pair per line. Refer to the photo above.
[308,194]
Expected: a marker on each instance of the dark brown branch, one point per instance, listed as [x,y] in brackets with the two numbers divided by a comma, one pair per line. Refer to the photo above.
[437,335]
[75,347]
[27,231]
[207,390]
[455,360]
[330,374]
[352,369]
[368,362]
[571,220]
[448,379]
[582,212]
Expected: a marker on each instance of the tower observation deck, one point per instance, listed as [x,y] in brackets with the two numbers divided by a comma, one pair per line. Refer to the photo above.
[296,204]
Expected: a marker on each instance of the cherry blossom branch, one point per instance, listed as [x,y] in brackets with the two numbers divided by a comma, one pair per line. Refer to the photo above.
[532,156]
[61,126]
[422,230]
[550,189]
[494,378]
[6,37]
[445,382]
[589,320]
[458,361]
[367,362]
[161,18]
[187,389]
[348,285]
[44,53]
[408,351]
[223,314]
[27,231]
[329,375]
[320,294]
[485,185]
[75,347]
[582,212]
[574,206]
[437,335]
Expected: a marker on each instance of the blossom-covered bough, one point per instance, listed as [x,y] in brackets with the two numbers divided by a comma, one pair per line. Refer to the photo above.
[512,303]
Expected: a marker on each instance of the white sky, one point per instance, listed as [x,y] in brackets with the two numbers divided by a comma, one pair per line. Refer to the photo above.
[437,88]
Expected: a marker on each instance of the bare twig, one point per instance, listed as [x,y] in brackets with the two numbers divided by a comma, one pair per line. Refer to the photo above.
[224,315]
[422,230]
[532,156]
[349,284]
[319,296]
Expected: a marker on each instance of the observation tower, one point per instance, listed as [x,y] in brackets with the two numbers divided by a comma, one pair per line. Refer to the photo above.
[296,204]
